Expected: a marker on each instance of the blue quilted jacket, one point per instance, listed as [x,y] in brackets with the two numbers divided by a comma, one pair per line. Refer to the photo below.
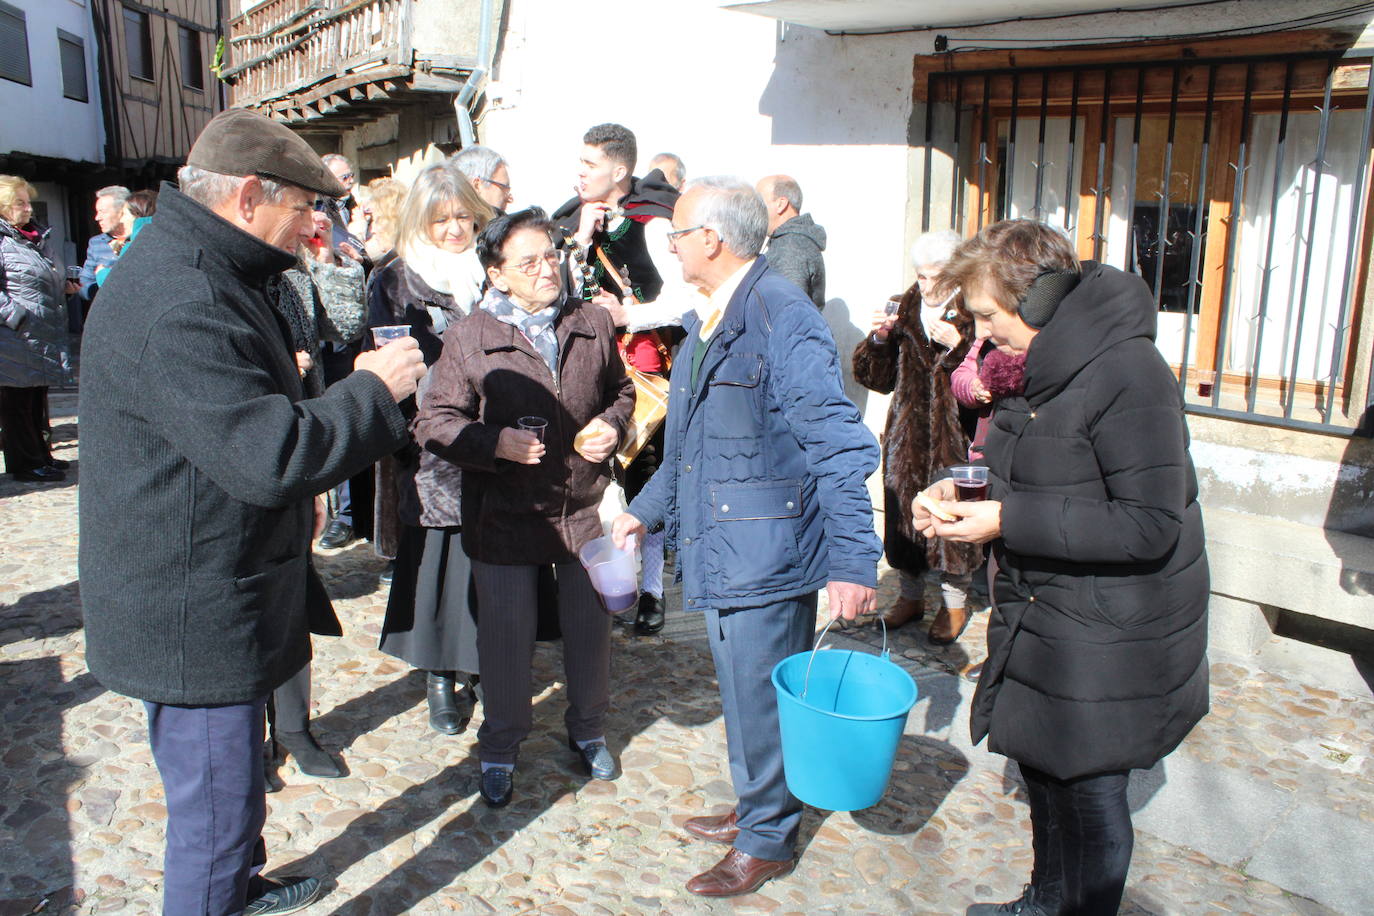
[762,485]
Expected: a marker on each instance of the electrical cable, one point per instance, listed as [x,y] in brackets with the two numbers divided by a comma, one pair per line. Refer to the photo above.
[1313,19]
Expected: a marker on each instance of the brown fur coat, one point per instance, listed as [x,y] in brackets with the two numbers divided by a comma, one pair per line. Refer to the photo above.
[923,434]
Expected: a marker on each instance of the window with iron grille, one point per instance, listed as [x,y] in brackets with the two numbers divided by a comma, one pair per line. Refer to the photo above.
[138,43]
[14,45]
[1236,188]
[192,64]
[72,52]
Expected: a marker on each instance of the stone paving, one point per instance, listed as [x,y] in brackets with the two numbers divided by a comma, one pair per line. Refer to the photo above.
[81,810]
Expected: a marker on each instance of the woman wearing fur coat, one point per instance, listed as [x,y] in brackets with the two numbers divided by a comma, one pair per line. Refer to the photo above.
[910,355]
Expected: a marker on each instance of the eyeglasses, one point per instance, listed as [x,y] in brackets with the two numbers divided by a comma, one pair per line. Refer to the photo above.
[500,184]
[679,233]
[346,176]
[530,266]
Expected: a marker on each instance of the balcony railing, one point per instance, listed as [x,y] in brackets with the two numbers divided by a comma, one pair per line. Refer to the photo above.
[281,48]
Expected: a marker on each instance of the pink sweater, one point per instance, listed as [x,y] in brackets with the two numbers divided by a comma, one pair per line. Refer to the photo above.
[962,378]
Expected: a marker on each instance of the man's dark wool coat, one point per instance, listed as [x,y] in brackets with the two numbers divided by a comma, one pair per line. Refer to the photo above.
[1097,646]
[200,459]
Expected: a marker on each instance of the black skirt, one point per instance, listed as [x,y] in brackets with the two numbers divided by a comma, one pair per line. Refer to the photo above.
[431,618]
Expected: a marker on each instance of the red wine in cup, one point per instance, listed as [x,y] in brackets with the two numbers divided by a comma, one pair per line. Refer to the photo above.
[970,490]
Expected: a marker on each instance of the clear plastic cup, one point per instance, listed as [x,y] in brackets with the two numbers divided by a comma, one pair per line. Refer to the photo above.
[383,335]
[970,482]
[891,306]
[612,571]
[536,425]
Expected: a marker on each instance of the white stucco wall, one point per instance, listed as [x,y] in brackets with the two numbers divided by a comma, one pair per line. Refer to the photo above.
[729,93]
[38,119]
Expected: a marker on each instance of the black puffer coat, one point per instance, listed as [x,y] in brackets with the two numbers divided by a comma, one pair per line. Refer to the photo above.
[1097,647]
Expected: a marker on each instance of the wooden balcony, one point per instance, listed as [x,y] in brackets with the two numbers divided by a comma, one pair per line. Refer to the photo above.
[301,61]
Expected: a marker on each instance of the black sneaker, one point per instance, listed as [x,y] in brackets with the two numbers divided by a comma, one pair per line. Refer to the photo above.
[284,895]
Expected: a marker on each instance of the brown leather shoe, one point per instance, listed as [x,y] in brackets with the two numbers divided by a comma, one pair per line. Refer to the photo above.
[737,873]
[718,828]
[948,625]
[904,611]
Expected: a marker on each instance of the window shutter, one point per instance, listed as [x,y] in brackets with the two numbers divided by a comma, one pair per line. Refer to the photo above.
[14,45]
[73,53]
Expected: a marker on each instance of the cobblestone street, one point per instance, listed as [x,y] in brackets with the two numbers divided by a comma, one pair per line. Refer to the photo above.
[1264,810]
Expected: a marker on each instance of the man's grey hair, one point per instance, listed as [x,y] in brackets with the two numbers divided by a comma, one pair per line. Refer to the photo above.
[734,209]
[786,187]
[330,158]
[477,161]
[934,247]
[679,169]
[116,192]
[210,189]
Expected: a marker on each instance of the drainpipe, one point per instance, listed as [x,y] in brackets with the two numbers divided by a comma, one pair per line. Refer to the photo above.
[467,134]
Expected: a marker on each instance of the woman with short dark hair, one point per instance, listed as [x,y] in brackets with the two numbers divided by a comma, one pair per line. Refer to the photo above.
[530,500]
[1097,641]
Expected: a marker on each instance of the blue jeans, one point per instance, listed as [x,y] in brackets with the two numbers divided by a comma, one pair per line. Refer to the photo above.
[1082,836]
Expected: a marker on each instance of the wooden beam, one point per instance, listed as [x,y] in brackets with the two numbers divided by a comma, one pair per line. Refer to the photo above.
[1127,53]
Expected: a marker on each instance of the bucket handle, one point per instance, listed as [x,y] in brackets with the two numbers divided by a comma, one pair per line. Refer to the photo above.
[806,684]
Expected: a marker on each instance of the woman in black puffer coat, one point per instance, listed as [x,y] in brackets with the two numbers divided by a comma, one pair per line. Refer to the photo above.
[1097,643]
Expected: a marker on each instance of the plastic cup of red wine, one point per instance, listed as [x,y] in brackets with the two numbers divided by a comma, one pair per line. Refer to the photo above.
[535,425]
[970,482]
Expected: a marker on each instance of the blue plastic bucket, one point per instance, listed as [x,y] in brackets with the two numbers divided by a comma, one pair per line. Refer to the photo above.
[842,715]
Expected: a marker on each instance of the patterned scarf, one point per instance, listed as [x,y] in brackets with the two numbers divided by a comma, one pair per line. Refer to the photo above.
[537,327]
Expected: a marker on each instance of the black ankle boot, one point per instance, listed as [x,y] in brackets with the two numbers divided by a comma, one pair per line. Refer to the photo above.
[312,759]
[445,716]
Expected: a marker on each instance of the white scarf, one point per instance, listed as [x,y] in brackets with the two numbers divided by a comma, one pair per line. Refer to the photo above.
[459,275]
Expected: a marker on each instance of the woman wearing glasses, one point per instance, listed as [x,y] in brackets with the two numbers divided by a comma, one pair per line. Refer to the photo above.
[434,280]
[530,354]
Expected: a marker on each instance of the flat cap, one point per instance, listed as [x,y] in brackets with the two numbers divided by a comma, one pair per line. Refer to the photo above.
[241,142]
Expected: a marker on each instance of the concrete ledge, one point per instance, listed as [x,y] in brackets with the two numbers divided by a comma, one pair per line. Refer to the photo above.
[1268,561]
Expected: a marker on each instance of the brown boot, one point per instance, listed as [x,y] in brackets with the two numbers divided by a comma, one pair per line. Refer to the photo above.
[948,624]
[904,611]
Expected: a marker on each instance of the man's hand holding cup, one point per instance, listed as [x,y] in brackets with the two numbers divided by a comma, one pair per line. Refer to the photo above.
[399,365]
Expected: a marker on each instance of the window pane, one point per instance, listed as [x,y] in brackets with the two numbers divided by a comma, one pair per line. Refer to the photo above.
[73,53]
[1162,255]
[138,44]
[192,65]
[1302,307]
[14,45]
[1055,181]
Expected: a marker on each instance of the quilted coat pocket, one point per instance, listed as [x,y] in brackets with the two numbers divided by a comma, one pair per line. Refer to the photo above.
[755,534]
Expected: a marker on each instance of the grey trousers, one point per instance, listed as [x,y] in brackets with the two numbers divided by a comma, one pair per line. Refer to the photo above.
[746,645]
[507,611]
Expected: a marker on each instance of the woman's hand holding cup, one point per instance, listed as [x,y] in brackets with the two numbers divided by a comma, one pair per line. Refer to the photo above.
[519,445]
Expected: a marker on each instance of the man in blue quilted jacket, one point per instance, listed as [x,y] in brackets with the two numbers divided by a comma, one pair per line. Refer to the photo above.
[762,493]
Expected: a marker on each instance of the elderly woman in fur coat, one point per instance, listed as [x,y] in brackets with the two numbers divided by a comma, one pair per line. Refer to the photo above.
[910,355]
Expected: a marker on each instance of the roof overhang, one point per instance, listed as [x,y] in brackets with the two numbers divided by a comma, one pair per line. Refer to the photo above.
[881,15]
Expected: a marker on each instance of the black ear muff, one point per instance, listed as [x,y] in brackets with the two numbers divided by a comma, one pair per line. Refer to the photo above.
[1038,305]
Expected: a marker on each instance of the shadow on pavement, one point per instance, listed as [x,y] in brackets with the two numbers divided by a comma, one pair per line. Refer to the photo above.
[39,859]
[925,773]
[545,776]
[41,615]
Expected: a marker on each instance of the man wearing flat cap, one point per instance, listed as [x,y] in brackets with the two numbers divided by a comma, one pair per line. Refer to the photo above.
[201,461]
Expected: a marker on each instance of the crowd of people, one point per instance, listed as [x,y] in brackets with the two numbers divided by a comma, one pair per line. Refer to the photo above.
[282,355]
